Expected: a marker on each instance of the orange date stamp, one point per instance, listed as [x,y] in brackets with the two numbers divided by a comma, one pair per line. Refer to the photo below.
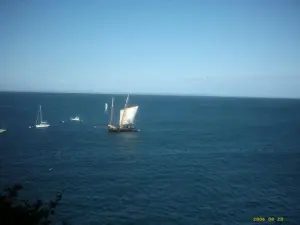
[267,219]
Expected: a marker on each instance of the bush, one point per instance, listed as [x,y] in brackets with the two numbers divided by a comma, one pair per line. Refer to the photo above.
[18,212]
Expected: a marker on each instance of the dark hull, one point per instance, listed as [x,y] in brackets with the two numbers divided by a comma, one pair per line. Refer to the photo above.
[123,129]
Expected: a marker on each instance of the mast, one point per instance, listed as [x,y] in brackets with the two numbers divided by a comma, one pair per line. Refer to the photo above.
[37,118]
[126,103]
[111,111]
[41,113]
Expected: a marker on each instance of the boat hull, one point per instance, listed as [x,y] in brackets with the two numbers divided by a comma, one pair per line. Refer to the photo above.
[76,120]
[42,125]
[122,129]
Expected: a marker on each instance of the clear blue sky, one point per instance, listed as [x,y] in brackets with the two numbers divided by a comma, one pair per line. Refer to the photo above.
[216,47]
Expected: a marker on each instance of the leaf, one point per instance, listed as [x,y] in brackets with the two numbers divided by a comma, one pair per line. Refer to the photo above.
[52,204]
[58,197]
[18,187]
[38,204]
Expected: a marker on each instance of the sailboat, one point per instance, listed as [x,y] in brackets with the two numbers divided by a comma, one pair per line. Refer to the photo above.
[106,107]
[127,117]
[76,118]
[39,123]
[2,130]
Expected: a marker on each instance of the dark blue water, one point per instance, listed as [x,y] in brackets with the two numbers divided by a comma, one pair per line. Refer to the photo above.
[197,160]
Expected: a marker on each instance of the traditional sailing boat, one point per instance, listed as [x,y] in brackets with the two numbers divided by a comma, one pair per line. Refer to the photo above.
[127,116]
[41,124]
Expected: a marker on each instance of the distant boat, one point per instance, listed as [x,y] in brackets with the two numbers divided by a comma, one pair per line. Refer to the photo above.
[106,107]
[127,117]
[76,118]
[3,131]
[39,123]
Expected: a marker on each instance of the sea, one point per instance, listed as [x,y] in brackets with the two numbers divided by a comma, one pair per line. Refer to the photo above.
[196,160]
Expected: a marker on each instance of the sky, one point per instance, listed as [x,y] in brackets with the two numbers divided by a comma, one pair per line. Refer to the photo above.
[217,47]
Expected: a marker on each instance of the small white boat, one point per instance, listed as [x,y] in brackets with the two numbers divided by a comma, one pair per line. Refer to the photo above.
[106,107]
[76,118]
[39,123]
[2,131]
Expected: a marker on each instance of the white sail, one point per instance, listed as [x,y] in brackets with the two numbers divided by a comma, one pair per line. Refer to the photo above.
[111,111]
[42,124]
[39,115]
[129,115]
[106,107]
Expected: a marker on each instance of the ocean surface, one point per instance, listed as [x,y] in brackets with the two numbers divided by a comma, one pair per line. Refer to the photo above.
[197,160]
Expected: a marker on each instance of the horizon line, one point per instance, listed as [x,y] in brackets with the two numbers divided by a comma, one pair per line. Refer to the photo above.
[149,94]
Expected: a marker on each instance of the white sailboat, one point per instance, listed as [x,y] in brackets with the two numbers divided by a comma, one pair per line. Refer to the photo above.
[76,118]
[105,107]
[2,131]
[39,123]
[127,117]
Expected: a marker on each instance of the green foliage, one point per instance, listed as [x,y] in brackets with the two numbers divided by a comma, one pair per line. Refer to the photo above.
[18,212]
